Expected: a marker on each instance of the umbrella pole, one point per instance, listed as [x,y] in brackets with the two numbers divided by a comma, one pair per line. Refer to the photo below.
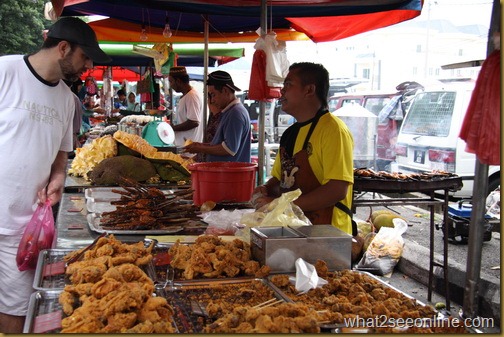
[262,106]
[205,75]
[476,231]
[476,226]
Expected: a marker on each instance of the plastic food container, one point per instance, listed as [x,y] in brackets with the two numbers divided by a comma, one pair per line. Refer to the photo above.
[222,182]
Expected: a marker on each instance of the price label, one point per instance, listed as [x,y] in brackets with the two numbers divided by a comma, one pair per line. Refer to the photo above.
[56,268]
[75,226]
[47,322]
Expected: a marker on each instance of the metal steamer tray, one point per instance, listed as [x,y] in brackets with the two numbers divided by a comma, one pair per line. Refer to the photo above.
[50,271]
[189,298]
[45,312]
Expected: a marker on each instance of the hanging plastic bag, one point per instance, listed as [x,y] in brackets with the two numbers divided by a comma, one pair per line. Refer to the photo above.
[277,64]
[258,87]
[38,235]
[385,250]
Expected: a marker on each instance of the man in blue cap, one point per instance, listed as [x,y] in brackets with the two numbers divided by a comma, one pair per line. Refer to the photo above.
[36,113]
[232,139]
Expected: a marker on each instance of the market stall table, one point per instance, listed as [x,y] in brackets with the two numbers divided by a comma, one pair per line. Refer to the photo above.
[427,187]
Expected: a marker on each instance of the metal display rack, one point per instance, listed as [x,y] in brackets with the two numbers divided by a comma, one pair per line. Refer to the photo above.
[427,187]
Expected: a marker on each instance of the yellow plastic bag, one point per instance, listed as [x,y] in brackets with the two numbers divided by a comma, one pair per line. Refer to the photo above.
[279,212]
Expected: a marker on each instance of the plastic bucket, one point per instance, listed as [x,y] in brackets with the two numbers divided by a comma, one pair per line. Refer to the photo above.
[221,182]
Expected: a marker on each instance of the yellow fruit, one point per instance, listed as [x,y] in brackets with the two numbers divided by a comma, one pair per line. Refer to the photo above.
[379,212]
[385,220]
[364,228]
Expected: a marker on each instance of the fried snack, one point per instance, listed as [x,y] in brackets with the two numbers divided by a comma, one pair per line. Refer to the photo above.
[135,143]
[283,318]
[211,257]
[87,157]
[349,293]
[121,301]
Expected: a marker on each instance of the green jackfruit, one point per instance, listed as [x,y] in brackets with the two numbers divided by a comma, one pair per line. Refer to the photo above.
[110,170]
[385,220]
[170,173]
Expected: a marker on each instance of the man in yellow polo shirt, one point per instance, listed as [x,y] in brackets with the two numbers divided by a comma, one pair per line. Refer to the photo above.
[315,152]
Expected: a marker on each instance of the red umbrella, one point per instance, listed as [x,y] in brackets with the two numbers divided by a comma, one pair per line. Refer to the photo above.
[119,74]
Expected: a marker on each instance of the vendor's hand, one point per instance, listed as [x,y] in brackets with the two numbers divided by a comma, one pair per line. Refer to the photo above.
[260,201]
[261,189]
[194,147]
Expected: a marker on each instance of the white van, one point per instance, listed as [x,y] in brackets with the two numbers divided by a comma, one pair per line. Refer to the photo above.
[429,138]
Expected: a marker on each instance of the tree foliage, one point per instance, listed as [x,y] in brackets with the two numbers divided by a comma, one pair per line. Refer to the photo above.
[22,23]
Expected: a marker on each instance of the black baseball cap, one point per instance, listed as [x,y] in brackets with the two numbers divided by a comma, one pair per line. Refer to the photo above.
[222,78]
[77,31]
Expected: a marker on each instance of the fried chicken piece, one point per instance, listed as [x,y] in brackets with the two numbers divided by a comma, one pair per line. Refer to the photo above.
[321,268]
[80,322]
[145,327]
[92,273]
[155,310]
[262,272]
[250,267]
[105,286]
[123,258]
[67,301]
[119,321]
[130,273]
[280,280]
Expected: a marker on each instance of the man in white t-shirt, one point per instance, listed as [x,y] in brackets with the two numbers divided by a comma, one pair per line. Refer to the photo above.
[36,114]
[188,120]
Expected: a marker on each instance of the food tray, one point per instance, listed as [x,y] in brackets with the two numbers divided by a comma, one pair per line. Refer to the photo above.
[186,294]
[45,313]
[94,224]
[50,272]
[324,304]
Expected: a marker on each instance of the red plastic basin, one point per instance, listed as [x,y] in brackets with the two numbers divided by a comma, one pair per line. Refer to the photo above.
[222,182]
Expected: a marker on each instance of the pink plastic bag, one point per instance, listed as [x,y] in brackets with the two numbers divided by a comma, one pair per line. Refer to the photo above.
[38,235]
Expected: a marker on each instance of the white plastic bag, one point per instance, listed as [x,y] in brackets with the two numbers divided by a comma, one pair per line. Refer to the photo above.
[385,250]
[307,277]
[277,64]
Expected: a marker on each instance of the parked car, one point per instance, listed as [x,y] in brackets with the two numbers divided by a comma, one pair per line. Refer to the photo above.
[276,121]
[429,138]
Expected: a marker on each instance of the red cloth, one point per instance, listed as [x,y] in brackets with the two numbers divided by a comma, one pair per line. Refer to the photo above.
[481,126]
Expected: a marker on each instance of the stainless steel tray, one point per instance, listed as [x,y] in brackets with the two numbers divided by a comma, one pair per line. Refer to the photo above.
[187,294]
[45,313]
[94,224]
[331,326]
[50,272]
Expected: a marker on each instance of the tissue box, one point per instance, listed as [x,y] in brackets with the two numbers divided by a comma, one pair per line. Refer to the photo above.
[280,247]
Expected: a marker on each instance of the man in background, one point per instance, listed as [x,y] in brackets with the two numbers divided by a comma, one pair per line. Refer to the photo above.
[233,137]
[188,119]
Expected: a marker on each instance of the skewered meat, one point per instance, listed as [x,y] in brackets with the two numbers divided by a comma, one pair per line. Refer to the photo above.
[141,208]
